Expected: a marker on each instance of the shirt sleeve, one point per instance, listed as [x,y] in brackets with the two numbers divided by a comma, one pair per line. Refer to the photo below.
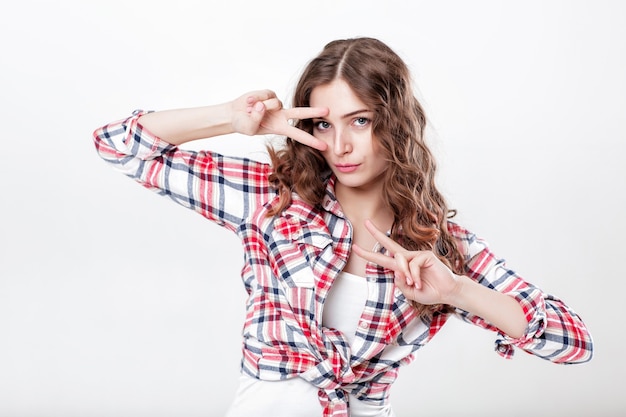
[222,189]
[554,332]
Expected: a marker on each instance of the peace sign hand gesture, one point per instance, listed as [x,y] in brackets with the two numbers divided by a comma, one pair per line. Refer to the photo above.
[420,275]
[261,112]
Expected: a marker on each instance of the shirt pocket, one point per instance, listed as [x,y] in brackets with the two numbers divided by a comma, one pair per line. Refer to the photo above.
[299,246]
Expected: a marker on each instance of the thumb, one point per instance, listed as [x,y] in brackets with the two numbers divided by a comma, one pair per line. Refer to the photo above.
[256,112]
[257,109]
[401,282]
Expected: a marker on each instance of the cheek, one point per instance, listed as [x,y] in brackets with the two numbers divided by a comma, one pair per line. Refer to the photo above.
[323,136]
[377,148]
[380,154]
[326,155]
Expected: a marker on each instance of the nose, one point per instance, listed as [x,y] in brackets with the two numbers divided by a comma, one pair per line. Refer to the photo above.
[342,142]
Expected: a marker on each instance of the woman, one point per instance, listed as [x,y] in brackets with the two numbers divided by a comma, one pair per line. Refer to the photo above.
[336,305]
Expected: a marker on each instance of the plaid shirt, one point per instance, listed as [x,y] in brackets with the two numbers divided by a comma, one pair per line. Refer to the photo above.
[292,259]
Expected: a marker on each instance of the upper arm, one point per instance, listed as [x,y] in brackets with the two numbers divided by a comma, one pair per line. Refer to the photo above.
[223,189]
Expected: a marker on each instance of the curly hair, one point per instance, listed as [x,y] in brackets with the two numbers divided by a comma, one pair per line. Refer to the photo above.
[381,79]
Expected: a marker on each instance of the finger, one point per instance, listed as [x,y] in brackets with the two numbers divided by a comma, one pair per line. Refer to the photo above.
[415,266]
[254,97]
[273,104]
[305,138]
[260,95]
[403,268]
[306,112]
[406,289]
[377,258]
[382,238]
[255,106]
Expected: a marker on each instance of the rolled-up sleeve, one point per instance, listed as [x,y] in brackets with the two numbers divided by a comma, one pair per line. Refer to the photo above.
[554,331]
[223,189]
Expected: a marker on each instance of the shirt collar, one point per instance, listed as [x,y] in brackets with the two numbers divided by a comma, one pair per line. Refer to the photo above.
[329,202]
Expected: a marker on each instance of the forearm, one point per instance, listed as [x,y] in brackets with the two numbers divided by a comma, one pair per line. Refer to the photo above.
[184,125]
[499,309]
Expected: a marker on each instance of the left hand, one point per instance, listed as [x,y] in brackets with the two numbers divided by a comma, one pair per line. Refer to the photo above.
[420,275]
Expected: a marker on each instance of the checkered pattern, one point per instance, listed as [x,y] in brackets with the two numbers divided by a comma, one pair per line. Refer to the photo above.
[291,261]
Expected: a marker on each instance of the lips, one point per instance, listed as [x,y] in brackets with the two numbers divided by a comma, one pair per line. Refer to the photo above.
[345,168]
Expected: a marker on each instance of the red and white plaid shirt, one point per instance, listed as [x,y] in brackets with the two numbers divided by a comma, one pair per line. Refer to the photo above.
[292,259]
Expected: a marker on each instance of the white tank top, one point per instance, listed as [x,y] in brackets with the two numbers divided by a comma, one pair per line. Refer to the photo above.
[344,304]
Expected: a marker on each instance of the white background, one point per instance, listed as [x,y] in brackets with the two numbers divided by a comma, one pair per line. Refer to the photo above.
[116,302]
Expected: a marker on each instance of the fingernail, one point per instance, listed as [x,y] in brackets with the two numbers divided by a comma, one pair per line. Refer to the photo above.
[258,106]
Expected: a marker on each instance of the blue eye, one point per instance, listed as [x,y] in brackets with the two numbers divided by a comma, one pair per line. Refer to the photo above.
[361,121]
[322,125]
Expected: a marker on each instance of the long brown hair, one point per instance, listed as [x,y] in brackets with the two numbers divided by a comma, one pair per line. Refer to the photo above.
[381,79]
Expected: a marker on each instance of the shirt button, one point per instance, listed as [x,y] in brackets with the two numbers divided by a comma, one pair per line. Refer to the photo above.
[502,349]
[363,324]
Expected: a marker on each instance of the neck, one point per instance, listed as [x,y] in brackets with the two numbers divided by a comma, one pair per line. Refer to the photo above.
[361,204]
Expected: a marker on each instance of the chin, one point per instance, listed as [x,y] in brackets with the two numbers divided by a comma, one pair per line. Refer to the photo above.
[355,183]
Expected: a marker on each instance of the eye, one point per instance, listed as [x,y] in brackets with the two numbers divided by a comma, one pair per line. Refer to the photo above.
[322,125]
[361,121]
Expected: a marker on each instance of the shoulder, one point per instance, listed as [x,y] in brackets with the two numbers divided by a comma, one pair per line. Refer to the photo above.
[468,242]
[459,232]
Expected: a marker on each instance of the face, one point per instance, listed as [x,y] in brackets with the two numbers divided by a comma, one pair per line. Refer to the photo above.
[352,153]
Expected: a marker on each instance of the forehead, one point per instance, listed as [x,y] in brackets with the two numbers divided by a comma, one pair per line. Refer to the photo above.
[338,97]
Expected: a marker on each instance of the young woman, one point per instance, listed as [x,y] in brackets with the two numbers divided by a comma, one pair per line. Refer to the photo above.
[351,261]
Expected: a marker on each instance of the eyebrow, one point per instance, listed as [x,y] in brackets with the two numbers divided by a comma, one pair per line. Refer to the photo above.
[352,113]
[347,115]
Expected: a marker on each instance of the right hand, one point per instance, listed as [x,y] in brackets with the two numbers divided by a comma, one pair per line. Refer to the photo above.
[261,113]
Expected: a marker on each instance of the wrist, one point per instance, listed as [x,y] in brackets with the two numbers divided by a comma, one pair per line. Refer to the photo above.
[218,119]
[456,296]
